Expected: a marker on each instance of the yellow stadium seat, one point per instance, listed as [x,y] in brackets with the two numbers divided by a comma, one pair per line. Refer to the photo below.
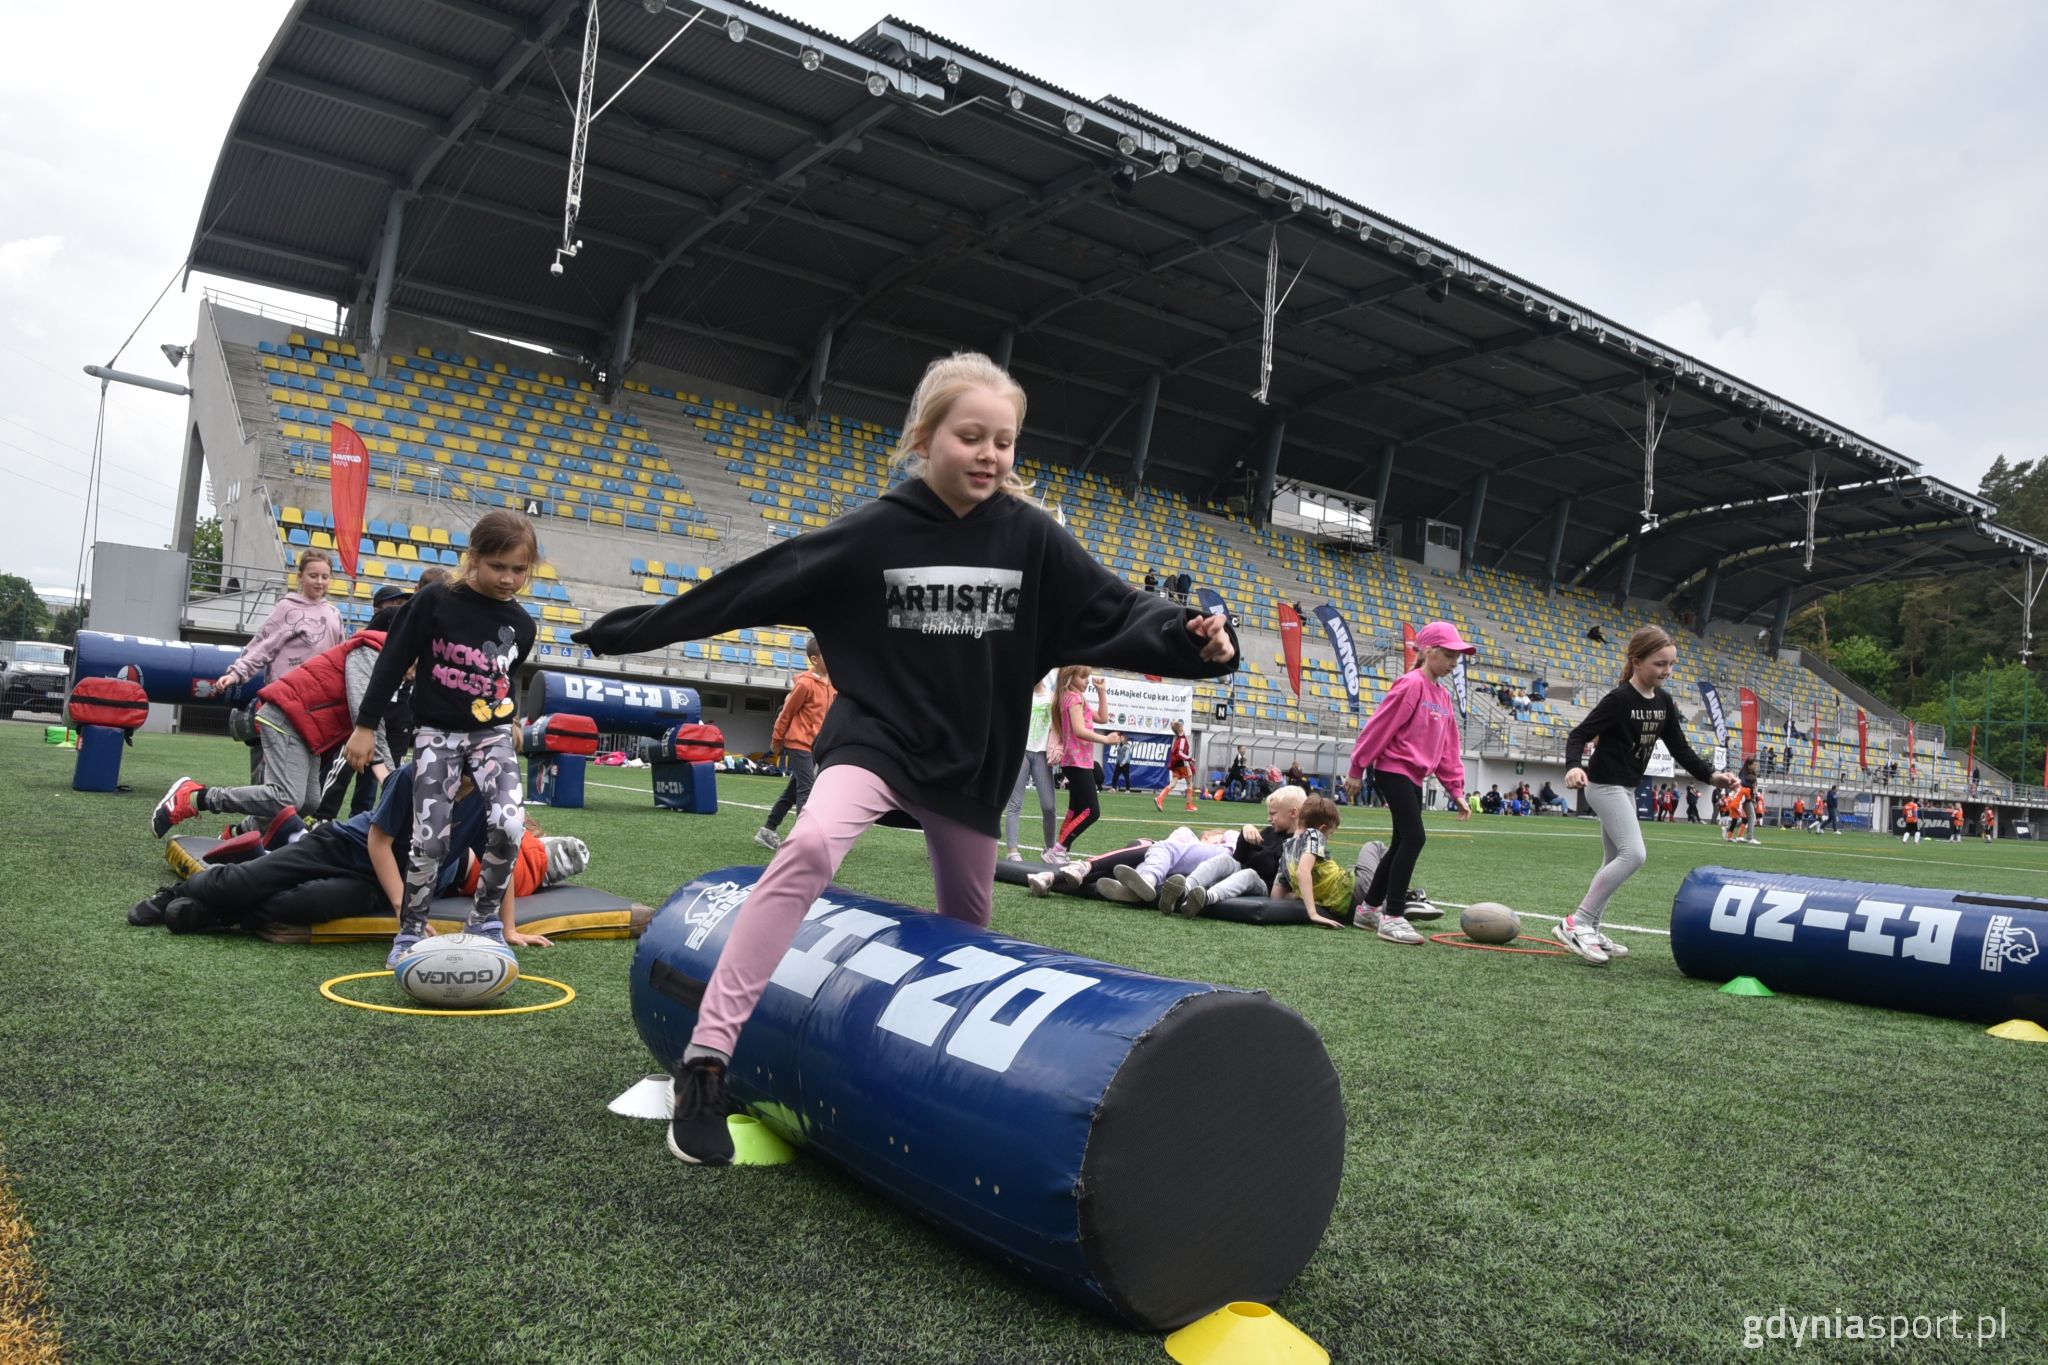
[650,585]
[291,516]
[439,536]
[419,533]
[322,541]
[406,551]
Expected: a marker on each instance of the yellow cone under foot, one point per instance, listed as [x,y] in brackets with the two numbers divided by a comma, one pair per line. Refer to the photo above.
[754,1143]
[2019,1031]
[1244,1334]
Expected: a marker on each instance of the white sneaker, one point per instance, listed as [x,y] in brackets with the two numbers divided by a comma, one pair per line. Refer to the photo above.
[1071,874]
[1584,942]
[1753,840]
[1110,889]
[767,838]
[1144,891]
[1395,929]
[1053,856]
[1609,946]
[1040,883]
[1013,856]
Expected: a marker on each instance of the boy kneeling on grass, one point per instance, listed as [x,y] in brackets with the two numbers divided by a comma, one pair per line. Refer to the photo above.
[346,868]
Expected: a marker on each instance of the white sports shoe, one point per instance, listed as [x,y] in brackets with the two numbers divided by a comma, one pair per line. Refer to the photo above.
[1013,856]
[1072,874]
[1142,888]
[1110,889]
[1395,929]
[1040,883]
[1609,946]
[767,838]
[1583,941]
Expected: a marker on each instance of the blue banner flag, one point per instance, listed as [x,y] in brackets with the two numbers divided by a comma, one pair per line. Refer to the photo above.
[1347,653]
[1715,715]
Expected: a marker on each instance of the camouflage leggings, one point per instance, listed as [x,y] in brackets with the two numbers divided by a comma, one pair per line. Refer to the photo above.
[441,758]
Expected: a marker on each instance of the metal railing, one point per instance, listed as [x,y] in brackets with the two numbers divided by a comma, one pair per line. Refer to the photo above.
[324,326]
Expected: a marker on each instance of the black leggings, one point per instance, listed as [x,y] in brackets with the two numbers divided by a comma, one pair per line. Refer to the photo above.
[1084,807]
[1389,890]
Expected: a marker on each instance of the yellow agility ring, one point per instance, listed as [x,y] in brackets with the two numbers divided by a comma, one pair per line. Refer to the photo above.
[327,989]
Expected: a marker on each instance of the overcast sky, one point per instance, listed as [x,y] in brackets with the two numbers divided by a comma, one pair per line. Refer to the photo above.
[1842,202]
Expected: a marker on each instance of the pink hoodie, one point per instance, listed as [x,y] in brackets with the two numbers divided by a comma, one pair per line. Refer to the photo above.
[298,628]
[1414,733]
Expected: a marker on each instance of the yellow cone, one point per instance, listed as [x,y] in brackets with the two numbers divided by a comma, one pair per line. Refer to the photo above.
[755,1144]
[2019,1031]
[1244,1334]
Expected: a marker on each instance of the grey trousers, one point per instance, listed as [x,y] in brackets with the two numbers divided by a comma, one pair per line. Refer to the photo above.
[1621,842]
[291,776]
[1037,772]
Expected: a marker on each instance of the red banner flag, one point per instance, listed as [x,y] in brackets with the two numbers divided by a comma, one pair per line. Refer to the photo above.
[1407,647]
[348,471]
[1749,722]
[1912,755]
[1862,739]
[1814,759]
[1290,646]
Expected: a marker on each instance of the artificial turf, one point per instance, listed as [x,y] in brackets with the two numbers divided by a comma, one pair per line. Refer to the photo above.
[1547,1161]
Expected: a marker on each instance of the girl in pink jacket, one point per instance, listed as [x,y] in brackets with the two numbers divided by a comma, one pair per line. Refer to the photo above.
[1413,734]
[302,624]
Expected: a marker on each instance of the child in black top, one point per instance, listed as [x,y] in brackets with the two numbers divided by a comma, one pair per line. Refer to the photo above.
[1625,725]
[940,604]
[463,642]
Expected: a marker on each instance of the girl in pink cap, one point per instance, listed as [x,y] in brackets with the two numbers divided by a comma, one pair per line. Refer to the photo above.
[1413,734]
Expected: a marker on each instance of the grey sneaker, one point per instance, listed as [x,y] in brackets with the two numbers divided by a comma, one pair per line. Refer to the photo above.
[1367,919]
[1142,888]
[1193,902]
[1171,892]
[1583,941]
[1395,929]
[767,838]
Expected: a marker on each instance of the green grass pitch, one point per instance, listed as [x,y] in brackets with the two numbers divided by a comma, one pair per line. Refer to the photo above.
[1547,1161]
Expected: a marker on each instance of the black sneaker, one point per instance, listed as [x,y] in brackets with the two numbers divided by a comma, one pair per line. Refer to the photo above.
[184,915]
[150,909]
[696,1125]
[1420,906]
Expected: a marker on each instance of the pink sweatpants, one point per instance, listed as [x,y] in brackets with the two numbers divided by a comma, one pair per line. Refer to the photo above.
[845,800]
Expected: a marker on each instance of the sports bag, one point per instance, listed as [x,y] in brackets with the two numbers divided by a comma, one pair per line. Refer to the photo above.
[115,702]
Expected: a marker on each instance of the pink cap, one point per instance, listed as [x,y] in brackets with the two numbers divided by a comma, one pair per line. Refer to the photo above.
[1442,635]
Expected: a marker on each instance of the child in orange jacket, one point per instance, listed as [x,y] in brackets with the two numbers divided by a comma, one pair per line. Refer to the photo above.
[796,730]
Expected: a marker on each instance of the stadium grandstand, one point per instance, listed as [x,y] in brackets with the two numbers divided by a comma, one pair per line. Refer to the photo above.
[1235,373]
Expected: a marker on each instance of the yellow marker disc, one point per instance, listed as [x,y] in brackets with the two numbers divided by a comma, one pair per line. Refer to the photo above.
[327,989]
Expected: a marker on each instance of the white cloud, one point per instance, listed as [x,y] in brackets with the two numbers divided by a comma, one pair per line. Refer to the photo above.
[24,261]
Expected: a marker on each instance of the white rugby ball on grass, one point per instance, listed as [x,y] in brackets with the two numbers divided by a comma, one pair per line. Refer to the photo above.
[455,970]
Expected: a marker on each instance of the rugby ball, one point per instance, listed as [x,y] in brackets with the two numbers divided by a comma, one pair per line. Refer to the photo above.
[1489,922]
[452,971]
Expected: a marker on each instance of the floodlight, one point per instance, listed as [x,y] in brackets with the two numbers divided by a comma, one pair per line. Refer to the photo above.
[1266,189]
[952,73]
[174,354]
[1017,97]
[655,6]
[1075,123]
[1193,158]
[1126,144]
[1336,218]
[811,58]
[878,84]
[1230,173]
[1169,161]
[736,30]
[1296,201]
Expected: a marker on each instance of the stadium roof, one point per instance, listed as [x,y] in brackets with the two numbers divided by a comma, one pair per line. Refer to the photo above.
[754,213]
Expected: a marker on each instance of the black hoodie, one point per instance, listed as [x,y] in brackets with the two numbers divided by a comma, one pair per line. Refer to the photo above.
[935,626]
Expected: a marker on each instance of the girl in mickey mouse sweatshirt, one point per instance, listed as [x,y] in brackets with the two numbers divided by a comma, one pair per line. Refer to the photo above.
[463,641]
